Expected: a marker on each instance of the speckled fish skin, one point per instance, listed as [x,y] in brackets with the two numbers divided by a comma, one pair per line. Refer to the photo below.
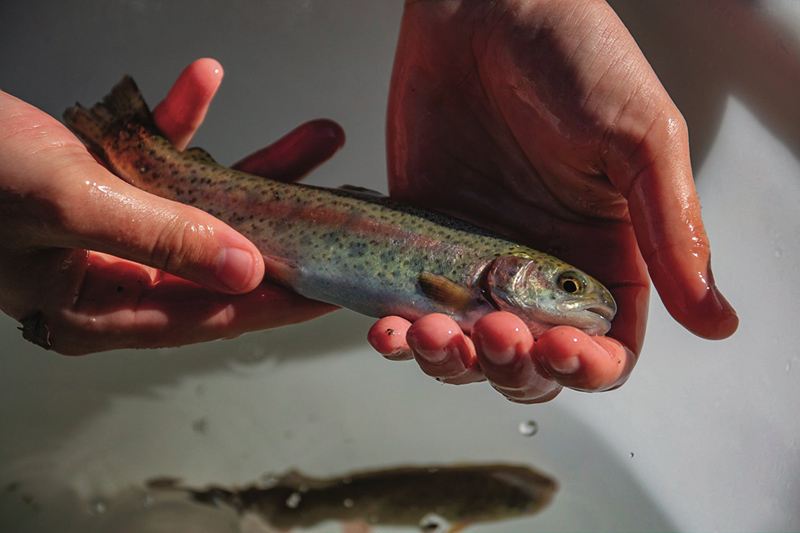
[346,247]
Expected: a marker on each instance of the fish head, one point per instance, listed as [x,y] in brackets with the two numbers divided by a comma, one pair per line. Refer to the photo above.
[547,292]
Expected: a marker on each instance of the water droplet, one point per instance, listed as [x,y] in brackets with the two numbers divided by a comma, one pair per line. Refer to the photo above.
[293,500]
[347,480]
[99,506]
[349,503]
[528,428]
[373,518]
[148,500]
[433,523]
[632,454]
[302,489]
[778,253]
[433,470]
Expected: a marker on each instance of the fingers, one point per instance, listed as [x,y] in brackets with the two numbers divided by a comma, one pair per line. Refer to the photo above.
[437,343]
[507,356]
[645,154]
[288,159]
[186,104]
[121,220]
[654,173]
[66,200]
[528,372]
[583,362]
[297,153]
[388,337]
[442,350]
[502,351]
[102,302]
[62,198]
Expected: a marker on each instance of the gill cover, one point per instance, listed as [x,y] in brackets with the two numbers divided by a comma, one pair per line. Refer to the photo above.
[546,292]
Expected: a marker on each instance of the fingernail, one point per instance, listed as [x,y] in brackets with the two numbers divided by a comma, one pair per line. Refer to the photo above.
[235,268]
[433,356]
[500,357]
[568,365]
[729,320]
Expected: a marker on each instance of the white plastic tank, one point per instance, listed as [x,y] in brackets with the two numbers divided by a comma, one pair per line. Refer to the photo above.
[704,436]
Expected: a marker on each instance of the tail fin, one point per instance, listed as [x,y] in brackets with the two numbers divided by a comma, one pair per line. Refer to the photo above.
[212,495]
[124,104]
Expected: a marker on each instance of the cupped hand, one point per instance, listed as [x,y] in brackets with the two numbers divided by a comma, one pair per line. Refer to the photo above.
[89,263]
[542,119]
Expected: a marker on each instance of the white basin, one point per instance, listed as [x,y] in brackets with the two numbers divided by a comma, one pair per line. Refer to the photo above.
[704,436]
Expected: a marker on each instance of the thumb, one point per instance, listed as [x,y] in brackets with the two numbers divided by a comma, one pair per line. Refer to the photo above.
[117,218]
[56,195]
[653,171]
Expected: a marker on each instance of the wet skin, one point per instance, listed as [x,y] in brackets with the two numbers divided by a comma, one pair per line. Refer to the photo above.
[108,266]
[540,120]
[543,120]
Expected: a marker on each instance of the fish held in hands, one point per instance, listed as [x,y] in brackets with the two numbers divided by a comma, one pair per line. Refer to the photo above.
[346,246]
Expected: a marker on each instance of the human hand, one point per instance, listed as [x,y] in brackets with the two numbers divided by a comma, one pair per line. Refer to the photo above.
[543,120]
[90,263]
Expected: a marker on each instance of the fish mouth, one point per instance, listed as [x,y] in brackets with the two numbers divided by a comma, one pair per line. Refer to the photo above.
[604,311]
[597,307]
[593,318]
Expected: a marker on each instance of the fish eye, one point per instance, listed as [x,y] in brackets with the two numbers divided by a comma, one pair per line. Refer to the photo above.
[571,283]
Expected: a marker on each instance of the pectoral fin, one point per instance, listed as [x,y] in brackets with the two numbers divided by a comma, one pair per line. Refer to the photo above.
[446,292]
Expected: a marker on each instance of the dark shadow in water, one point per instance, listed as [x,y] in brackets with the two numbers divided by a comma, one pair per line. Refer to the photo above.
[705,51]
[428,498]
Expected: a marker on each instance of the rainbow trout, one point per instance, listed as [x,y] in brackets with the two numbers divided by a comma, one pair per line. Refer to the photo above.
[446,498]
[348,247]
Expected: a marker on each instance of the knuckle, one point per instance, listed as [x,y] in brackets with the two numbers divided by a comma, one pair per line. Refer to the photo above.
[175,247]
[646,144]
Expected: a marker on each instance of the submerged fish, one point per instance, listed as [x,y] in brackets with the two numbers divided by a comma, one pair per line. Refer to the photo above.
[344,246]
[447,498]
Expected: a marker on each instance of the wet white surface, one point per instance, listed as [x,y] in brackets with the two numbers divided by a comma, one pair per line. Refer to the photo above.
[705,436]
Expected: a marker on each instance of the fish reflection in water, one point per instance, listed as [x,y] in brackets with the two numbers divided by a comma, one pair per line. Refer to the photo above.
[441,498]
